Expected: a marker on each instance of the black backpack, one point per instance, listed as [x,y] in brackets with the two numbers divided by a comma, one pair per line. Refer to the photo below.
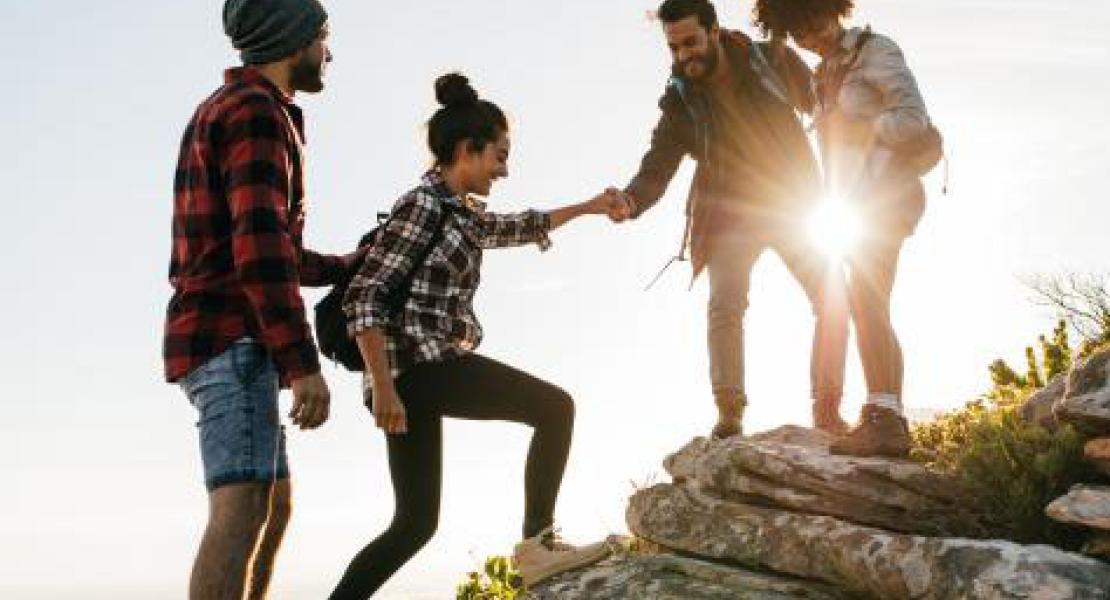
[331,321]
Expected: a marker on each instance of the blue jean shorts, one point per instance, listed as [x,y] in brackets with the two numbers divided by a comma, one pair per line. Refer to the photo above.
[236,396]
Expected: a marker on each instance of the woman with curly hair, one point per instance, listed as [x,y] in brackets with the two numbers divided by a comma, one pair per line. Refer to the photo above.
[876,141]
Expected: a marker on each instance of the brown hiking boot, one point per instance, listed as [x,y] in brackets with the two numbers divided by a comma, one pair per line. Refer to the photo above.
[826,417]
[730,415]
[881,432]
[546,555]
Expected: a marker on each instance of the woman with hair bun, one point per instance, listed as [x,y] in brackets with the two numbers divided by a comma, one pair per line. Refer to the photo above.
[420,359]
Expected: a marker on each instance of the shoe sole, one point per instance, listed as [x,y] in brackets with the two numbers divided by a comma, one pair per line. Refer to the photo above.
[549,572]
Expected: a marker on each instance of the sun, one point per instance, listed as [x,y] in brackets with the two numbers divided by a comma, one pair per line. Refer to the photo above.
[834,227]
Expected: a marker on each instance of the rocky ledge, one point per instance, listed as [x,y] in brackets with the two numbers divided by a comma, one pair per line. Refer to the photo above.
[776,516]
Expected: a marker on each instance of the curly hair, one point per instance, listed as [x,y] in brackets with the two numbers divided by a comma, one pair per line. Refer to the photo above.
[779,18]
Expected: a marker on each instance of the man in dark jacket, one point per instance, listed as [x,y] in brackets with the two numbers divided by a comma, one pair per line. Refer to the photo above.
[732,105]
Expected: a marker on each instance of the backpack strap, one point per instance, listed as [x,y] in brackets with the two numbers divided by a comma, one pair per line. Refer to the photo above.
[695,110]
[831,78]
[769,78]
[437,237]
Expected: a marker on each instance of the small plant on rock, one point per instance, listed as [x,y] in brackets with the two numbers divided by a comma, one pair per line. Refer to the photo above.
[497,581]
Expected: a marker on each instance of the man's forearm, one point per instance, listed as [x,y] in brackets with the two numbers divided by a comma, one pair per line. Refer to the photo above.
[317,270]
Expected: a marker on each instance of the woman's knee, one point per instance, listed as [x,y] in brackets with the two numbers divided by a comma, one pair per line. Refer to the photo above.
[557,407]
[867,304]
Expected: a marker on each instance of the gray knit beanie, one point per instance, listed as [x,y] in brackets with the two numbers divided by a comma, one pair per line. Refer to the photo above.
[265,31]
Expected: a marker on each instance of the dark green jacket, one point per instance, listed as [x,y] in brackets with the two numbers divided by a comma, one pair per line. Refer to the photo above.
[755,167]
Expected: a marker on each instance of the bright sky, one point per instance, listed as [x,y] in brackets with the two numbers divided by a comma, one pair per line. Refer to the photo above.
[107,500]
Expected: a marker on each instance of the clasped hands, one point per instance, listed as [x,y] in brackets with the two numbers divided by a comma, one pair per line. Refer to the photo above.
[614,203]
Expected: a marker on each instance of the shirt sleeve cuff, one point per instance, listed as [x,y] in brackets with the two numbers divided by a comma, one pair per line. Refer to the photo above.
[364,320]
[634,192]
[337,266]
[296,361]
[543,228]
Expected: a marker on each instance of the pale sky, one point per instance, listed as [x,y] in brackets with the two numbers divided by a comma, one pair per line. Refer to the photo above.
[107,499]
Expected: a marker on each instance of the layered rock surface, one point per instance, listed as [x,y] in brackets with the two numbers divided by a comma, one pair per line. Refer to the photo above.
[1086,505]
[1039,407]
[1086,400]
[776,516]
[791,468]
[858,559]
[670,577]
[1097,452]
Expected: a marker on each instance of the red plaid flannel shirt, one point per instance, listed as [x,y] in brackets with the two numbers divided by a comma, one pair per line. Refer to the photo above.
[237,260]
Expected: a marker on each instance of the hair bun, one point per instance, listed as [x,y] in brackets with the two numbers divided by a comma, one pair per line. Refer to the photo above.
[453,89]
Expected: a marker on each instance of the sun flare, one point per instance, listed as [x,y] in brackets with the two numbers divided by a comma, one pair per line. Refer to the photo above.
[834,228]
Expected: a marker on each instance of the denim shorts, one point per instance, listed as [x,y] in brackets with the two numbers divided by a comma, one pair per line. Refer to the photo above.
[236,396]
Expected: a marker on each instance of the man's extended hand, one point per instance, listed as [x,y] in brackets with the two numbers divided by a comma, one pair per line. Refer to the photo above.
[612,202]
[620,205]
[311,401]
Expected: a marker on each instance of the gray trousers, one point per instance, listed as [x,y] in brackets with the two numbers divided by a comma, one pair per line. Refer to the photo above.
[730,265]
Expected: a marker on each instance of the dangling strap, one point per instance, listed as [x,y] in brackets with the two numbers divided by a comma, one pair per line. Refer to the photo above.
[944,184]
[680,86]
[680,257]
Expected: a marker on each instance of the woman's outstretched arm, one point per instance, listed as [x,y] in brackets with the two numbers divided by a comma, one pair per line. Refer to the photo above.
[600,204]
[504,230]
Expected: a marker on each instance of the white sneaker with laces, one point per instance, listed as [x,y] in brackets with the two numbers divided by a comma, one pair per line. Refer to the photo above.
[546,555]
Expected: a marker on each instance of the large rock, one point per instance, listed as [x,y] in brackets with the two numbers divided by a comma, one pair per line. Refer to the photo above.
[1038,408]
[791,468]
[669,577]
[1097,452]
[1086,401]
[864,560]
[1085,505]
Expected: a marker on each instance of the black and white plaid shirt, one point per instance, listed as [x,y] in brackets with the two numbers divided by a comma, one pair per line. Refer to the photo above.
[438,320]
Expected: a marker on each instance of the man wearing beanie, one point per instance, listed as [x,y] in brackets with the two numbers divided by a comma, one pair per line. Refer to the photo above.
[236,330]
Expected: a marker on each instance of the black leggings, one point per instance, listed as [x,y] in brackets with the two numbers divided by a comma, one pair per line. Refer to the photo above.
[476,388]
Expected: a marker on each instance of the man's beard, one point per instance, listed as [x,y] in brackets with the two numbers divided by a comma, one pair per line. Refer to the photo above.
[708,64]
[307,76]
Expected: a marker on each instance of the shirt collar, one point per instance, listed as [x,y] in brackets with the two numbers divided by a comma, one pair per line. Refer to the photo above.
[849,39]
[434,179]
[252,76]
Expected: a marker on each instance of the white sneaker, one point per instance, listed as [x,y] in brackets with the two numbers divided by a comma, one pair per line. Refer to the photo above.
[537,559]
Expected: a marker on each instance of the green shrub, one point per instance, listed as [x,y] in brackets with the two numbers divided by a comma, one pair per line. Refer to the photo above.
[498,581]
[1012,469]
